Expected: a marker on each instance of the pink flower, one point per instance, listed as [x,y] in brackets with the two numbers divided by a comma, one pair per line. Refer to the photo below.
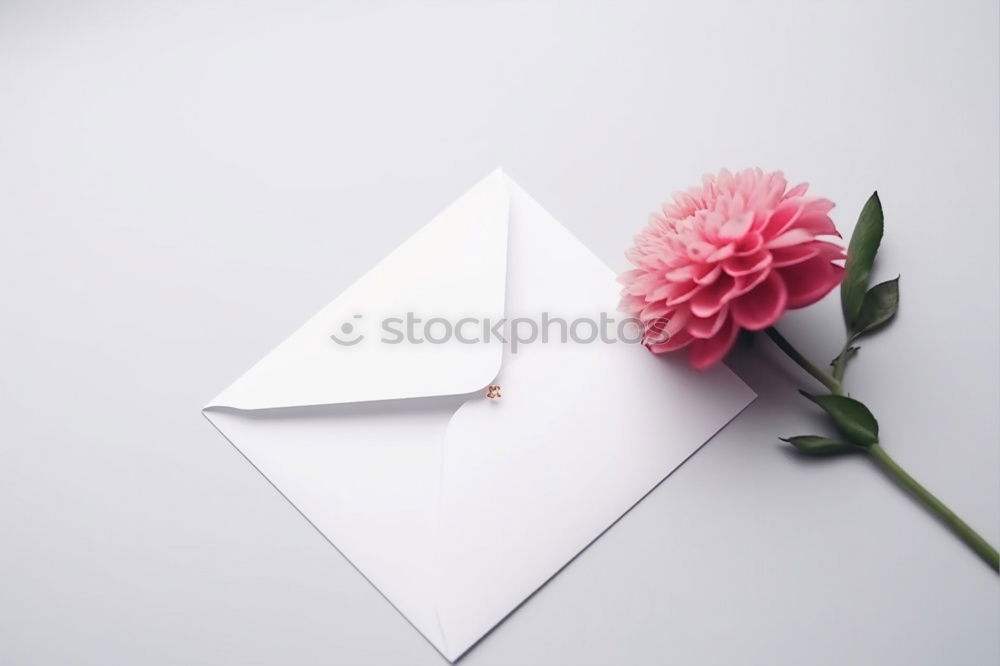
[734,253]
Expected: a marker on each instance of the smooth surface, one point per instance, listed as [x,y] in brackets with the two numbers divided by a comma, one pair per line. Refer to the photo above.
[177,178]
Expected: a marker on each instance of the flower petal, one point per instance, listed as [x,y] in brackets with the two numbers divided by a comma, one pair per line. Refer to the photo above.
[736,227]
[699,250]
[829,251]
[818,225]
[660,292]
[791,237]
[660,330]
[639,257]
[712,297]
[750,263]
[749,244]
[708,274]
[793,254]
[628,277]
[783,218]
[706,353]
[816,219]
[810,281]
[723,252]
[682,293]
[631,303]
[678,341]
[682,274]
[642,284]
[797,191]
[706,328]
[763,305]
[655,311]
[745,283]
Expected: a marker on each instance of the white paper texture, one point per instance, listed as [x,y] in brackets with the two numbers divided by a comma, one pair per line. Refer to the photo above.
[457,508]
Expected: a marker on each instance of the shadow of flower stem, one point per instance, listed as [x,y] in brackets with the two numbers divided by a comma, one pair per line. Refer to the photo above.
[825,379]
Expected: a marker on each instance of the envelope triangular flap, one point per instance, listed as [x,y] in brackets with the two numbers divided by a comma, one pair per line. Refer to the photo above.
[455,267]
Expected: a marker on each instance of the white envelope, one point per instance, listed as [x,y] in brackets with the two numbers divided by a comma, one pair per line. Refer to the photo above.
[455,506]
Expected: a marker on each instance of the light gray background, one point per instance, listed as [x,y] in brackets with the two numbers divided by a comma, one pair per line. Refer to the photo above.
[183,183]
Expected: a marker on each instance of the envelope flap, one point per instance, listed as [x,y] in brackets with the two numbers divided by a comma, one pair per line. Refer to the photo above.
[358,349]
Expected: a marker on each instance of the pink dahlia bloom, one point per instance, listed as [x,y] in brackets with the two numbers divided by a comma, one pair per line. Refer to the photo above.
[734,253]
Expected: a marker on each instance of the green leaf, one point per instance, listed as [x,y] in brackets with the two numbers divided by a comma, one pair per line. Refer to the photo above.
[877,308]
[814,445]
[851,417]
[860,256]
[850,352]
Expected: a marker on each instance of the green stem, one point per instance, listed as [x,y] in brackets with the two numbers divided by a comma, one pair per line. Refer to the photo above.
[784,345]
[841,365]
[972,539]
